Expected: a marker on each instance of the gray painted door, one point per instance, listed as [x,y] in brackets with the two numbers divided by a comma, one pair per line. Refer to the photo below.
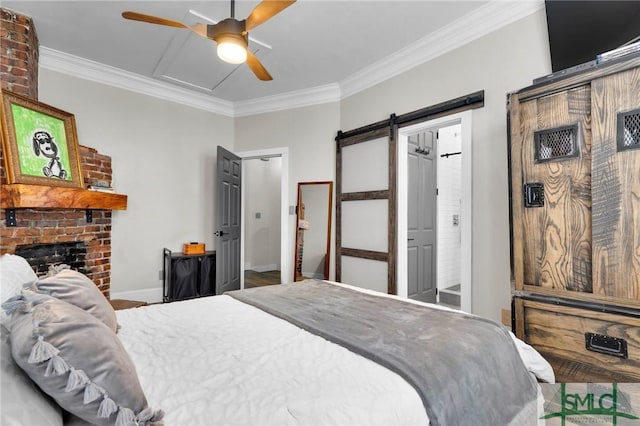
[229,176]
[422,242]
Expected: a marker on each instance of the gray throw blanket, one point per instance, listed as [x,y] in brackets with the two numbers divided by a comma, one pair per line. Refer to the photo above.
[466,369]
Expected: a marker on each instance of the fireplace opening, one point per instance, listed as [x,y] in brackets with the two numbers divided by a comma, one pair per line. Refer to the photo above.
[42,256]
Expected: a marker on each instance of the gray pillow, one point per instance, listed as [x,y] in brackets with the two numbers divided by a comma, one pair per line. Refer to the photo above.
[22,402]
[76,288]
[77,360]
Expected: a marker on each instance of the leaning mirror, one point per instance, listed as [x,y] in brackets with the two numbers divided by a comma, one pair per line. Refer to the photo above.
[313,230]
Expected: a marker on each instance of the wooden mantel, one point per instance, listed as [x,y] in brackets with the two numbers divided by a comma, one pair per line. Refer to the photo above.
[18,196]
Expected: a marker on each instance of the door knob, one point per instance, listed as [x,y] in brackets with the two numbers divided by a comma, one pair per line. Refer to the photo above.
[218,233]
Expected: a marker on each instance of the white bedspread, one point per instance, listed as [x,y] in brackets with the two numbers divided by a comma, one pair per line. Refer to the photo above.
[219,361]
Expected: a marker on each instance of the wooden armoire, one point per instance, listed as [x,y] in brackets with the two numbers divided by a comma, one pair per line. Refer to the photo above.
[574,154]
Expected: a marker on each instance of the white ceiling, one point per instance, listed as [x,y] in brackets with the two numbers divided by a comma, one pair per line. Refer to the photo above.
[314,42]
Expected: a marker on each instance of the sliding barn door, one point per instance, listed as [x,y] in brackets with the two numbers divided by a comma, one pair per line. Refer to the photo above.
[366,207]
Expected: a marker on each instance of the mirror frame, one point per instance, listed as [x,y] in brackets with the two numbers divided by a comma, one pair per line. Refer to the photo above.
[327,259]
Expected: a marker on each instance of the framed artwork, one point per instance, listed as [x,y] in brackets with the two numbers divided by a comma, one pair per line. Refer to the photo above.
[39,142]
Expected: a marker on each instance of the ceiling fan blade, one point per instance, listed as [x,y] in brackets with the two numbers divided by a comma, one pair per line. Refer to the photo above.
[200,29]
[265,11]
[135,16]
[258,69]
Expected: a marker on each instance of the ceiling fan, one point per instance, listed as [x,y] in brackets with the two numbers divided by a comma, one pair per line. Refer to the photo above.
[231,35]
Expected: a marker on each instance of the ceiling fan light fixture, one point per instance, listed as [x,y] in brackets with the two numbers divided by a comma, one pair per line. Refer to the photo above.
[232,49]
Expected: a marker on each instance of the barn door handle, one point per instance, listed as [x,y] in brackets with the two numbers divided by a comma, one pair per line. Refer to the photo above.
[218,233]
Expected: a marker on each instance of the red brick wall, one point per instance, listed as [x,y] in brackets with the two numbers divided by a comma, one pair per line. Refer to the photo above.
[19,73]
[18,54]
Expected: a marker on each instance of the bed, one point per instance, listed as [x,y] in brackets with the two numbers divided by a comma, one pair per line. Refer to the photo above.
[243,359]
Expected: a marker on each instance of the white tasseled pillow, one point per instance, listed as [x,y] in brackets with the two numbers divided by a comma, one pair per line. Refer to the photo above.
[14,273]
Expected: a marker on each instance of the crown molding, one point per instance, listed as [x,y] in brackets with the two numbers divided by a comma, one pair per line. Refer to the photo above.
[297,99]
[100,73]
[484,20]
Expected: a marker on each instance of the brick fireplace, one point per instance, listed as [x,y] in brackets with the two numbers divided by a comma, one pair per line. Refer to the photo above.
[35,227]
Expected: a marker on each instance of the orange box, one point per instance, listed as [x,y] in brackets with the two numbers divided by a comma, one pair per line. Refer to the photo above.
[193,248]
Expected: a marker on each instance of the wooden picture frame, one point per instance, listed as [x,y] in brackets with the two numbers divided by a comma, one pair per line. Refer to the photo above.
[39,142]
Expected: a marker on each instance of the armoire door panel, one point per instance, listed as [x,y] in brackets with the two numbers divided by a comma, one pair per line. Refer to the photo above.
[616,189]
[557,235]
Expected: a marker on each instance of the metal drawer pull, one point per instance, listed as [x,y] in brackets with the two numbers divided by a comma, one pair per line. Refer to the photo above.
[607,345]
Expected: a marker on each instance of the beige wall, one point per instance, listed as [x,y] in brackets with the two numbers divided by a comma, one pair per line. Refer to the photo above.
[164,159]
[503,61]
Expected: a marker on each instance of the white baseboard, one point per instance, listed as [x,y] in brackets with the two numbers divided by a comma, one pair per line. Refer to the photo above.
[314,275]
[264,268]
[149,295]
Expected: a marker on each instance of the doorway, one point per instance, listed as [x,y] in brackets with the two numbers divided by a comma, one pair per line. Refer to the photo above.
[446,257]
[264,218]
[261,215]
[449,180]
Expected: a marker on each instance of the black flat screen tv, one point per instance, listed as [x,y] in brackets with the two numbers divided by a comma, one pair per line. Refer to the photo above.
[579,30]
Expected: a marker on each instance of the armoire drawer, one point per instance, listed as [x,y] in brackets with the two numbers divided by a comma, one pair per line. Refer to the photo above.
[562,334]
